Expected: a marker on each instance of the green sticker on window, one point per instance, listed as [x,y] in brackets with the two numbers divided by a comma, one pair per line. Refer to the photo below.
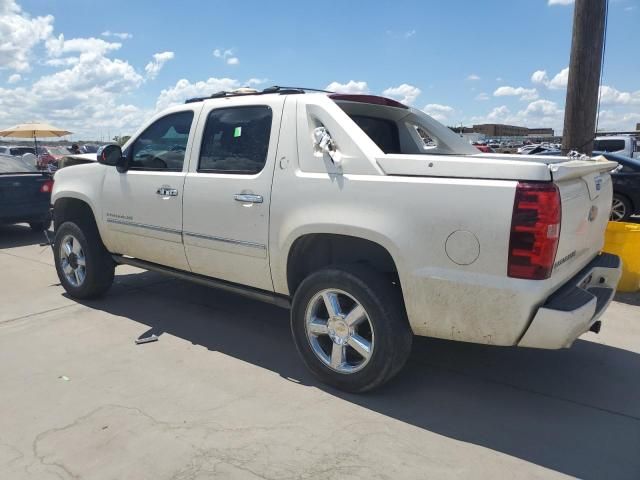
[237,132]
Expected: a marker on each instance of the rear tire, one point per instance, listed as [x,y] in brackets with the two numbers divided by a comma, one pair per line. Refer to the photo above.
[620,209]
[84,266]
[371,349]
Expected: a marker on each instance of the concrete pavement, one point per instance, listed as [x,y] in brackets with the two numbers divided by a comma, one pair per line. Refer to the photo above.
[223,393]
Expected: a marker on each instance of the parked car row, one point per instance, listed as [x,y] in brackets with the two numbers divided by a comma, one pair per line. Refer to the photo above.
[47,157]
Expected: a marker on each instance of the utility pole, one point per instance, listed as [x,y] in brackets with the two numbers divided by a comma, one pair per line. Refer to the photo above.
[584,76]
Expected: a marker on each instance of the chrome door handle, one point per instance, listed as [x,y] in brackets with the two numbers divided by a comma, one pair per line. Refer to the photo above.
[248,198]
[166,191]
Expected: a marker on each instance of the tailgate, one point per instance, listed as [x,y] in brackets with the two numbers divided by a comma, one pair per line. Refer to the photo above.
[585,192]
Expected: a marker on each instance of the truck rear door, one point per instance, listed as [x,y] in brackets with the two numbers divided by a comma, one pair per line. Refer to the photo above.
[228,190]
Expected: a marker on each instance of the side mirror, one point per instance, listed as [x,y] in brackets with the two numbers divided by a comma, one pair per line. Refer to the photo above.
[323,141]
[111,155]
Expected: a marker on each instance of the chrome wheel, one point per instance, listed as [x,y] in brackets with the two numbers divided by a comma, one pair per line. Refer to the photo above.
[339,331]
[73,261]
[618,210]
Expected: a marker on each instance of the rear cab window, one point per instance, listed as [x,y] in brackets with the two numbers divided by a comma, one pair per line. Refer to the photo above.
[398,129]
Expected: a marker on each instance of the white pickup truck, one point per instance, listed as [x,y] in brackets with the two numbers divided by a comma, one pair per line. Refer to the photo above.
[371,221]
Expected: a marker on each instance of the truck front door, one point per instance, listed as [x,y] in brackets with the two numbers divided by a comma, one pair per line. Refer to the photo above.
[142,208]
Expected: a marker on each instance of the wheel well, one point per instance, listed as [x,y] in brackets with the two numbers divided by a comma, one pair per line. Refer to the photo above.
[312,252]
[72,209]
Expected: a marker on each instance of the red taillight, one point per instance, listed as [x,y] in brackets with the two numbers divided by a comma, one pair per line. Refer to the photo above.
[46,186]
[535,231]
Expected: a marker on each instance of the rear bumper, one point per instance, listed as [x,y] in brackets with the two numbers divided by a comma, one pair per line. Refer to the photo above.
[574,308]
[30,212]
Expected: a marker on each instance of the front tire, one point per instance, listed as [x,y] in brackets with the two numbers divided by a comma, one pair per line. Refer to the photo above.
[350,327]
[84,266]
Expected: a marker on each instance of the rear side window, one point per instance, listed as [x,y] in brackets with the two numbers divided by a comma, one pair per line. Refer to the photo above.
[382,131]
[236,140]
[608,145]
[163,144]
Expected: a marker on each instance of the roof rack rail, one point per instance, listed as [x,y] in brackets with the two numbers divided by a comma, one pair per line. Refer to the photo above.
[244,91]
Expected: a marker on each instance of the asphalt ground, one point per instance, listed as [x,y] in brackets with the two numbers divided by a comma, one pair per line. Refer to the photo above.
[223,392]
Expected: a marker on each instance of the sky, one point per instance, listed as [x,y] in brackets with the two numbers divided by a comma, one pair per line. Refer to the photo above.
[101,69]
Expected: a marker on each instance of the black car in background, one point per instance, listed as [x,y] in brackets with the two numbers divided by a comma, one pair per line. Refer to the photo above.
[25,193]
[626,186]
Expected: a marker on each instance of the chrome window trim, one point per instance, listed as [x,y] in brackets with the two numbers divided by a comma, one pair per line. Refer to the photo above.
[226,240]
[145,226]
[156,228]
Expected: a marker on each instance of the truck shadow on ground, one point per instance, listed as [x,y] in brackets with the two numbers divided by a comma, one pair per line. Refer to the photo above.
[574,411]
[12,236]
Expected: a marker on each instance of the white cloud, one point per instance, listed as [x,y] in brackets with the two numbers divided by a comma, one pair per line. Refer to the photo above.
[184,89]
[226,55]
[558,82]
[540,76]
[539,113]
[154,66]
[405,93]
[409,33]
[611,120]
[482,97]
[473,77]
[19,34]
[498,79]
[83,95]
[252,82]
[523,93]
[351,86]
[541,108]
[62,62]
[498,114]
[15,78]
[441,113]
[560,2]
[120,35]
[612,96]
[58,46]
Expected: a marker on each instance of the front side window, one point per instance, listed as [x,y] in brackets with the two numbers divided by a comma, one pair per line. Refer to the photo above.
[163,145]
[236,140]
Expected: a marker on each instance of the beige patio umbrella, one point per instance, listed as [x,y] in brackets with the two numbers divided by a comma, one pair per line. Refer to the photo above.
[33,130]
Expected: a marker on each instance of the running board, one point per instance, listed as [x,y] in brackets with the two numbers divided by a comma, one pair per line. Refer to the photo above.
[255,293]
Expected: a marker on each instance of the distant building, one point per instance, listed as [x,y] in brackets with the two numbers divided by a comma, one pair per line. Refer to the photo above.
[500,130]
[637,127]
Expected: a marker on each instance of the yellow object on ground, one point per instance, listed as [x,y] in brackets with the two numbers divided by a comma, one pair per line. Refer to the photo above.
[623,239]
